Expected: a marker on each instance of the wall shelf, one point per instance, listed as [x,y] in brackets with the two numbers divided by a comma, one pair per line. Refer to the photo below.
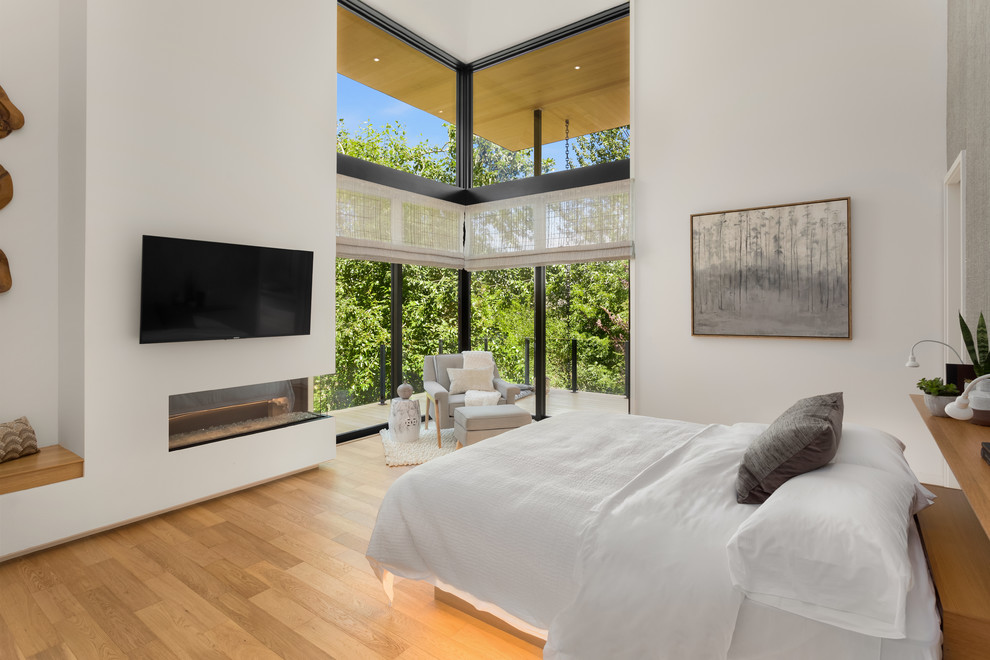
[956,534]
[50,465]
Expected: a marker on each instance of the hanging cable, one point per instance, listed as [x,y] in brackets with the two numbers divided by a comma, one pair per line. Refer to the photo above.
[567,143]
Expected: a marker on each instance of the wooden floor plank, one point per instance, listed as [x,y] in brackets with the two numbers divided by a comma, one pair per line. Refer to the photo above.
[30,628]
[115,619]
[277,570]
[178,632]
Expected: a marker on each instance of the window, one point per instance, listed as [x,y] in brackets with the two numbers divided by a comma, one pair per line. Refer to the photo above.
[580,85]
[396,106]
[526,250]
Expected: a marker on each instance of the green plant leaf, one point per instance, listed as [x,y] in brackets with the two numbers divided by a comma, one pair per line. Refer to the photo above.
[968,340]
[982,344]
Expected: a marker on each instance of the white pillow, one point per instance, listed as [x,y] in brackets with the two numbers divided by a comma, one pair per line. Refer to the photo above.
[863,445]
[478,359]
[831,545]
[462,380]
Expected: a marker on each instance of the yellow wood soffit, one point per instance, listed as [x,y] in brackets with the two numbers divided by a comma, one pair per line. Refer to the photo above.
[594,97]
[400,71]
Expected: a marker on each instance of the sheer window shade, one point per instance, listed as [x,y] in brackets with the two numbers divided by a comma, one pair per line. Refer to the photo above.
[378,223]
[592,223]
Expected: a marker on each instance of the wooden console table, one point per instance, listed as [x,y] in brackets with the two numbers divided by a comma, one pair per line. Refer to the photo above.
[956,534]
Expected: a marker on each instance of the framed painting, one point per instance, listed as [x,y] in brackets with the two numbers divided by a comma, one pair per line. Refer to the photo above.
[772,271]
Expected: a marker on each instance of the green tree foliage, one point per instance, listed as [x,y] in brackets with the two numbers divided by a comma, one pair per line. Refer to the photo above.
[390,146]
[429,316]
[363,322]
[602,147]
[502,313]
[590,303]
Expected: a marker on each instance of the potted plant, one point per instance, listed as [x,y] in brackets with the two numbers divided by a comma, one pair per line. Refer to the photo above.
[979,354]
[938,395]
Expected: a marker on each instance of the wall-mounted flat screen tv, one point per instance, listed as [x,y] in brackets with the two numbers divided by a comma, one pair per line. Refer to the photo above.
[199,290]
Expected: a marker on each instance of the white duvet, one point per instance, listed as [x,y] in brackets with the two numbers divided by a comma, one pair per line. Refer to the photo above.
[652,569]
[607,532]
[438,522]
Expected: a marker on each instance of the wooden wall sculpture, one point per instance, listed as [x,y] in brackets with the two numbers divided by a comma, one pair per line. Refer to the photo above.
[11,119]
[6,187]
[5,280]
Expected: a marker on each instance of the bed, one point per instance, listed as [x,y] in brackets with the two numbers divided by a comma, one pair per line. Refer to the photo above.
[621,536]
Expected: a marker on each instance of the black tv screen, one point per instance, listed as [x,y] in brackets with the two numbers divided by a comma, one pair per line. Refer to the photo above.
[198,290]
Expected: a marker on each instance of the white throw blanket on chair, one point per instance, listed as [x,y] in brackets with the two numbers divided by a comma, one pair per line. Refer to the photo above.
[481,398]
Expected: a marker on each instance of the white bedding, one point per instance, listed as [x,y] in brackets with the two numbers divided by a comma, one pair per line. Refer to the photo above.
[610,531]
[479,521]
[666,530]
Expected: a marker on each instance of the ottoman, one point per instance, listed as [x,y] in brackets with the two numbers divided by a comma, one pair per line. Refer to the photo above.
[474,423]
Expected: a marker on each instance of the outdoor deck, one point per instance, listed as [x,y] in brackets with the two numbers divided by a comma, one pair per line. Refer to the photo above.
[558,401]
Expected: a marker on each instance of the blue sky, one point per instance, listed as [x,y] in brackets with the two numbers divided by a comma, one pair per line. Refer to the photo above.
[358,104]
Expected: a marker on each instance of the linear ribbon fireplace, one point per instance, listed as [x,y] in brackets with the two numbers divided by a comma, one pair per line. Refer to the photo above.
[196,418]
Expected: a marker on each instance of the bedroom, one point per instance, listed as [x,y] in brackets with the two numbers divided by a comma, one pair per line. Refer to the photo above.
[707,137]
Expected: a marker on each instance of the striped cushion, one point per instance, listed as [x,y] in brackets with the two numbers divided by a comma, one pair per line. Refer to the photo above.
[17,439]
[802,439]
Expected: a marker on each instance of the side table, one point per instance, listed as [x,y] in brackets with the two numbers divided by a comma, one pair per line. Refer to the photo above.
[403,420]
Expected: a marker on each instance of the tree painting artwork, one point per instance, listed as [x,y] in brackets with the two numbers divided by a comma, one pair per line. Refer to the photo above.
[772,271]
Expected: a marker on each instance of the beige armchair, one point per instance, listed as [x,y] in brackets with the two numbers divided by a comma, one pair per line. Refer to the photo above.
[441,402]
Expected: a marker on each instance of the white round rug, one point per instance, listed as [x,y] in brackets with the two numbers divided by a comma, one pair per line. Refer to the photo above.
[420,451]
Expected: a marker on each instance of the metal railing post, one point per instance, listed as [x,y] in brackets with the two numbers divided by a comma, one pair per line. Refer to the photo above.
[526,369]
[440,352]
[382,374]
[486,343]
[574,387]
[625,346]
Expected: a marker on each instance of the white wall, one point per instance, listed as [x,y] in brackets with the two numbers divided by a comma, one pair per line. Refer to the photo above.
[212,121]
[29,224]
[743,104]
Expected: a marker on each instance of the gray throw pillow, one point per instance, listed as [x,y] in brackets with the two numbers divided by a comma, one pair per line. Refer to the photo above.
[802,439]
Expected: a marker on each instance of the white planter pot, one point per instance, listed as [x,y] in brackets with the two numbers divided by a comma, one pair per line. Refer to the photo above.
[979,401]
[936,404]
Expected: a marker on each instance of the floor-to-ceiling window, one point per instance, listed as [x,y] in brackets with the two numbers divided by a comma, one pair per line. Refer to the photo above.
[396,106]
[502,320]
[588,335]
[429,318]
[363,341]
[559,104]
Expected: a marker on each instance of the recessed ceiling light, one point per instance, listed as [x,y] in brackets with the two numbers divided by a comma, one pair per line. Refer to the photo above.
[576,68]
[377,60]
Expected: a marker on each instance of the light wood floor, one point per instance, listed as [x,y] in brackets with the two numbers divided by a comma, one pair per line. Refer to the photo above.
[276,571]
